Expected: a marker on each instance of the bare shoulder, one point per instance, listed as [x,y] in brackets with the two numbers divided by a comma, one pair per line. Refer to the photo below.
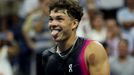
[97,59]
[95,47]
[95,52]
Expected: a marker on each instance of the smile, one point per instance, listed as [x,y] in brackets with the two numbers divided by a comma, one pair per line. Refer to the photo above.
[55,32]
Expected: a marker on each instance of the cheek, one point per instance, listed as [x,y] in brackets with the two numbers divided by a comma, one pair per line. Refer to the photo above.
[67,27]
[67,31]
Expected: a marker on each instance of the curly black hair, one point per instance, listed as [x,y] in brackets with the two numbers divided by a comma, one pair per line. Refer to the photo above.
[72,6]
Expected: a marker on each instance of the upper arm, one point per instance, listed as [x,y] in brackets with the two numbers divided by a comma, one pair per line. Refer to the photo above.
[27,24]
[97,59]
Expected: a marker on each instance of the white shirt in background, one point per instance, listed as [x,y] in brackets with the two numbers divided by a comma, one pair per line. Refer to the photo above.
[98,35]
[84,26]
[27,7]
[109,4]
[5,67]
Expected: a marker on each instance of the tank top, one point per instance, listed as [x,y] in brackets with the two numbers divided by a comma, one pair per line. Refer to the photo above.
[72,64]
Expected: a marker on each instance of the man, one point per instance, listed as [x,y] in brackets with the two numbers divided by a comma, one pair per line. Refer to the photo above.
[125,18]
[123,64]
[72,55]
[36,34]
[35,28]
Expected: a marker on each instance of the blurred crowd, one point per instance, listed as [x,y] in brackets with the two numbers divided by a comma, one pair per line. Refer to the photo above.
[24,32]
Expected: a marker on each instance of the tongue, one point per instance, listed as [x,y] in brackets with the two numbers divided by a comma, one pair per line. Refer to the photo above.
[54,33]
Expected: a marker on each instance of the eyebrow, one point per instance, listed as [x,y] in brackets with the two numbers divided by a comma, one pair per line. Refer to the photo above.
[59,16]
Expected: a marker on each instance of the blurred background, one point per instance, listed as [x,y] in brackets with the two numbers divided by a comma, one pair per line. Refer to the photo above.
[24,31]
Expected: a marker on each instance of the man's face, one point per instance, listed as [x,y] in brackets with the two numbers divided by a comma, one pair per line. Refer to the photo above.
[123,49]
[61,25]
[112,26]
[98,22]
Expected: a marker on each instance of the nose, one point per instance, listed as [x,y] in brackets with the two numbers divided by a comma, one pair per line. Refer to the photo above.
[53,23]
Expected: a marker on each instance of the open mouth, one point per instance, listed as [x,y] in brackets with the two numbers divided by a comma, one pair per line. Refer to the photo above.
[55,32]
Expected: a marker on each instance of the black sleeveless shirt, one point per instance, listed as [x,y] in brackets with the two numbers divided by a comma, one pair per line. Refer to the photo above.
[52,63]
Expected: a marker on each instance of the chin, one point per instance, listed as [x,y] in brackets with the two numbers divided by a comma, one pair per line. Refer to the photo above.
[59,40]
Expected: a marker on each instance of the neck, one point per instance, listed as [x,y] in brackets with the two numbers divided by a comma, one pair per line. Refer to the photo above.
[66,44]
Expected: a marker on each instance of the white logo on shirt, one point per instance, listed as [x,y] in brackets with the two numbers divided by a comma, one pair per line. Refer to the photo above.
[70,67]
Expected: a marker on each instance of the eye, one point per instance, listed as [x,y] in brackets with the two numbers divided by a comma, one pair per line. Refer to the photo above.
[59,18]
[50,19]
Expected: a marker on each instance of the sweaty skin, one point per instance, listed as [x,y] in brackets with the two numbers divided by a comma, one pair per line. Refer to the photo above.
[97,60]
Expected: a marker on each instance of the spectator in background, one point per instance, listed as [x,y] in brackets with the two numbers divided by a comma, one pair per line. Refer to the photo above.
[125,18]
[9,7]
[84,26]
[109,7]
[91,8]
[36,32]
[91,5]
[113,36]
[123,64]
[5,66]
[8,48]
[98,29]
[27,7]
[35,27]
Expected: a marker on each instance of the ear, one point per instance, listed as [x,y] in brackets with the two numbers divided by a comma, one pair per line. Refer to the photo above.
[75,24]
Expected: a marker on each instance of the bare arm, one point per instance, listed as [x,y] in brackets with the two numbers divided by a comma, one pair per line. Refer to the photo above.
[26,29]
[97,59]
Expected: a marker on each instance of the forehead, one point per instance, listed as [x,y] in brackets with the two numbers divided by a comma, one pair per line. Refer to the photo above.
[62,13]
